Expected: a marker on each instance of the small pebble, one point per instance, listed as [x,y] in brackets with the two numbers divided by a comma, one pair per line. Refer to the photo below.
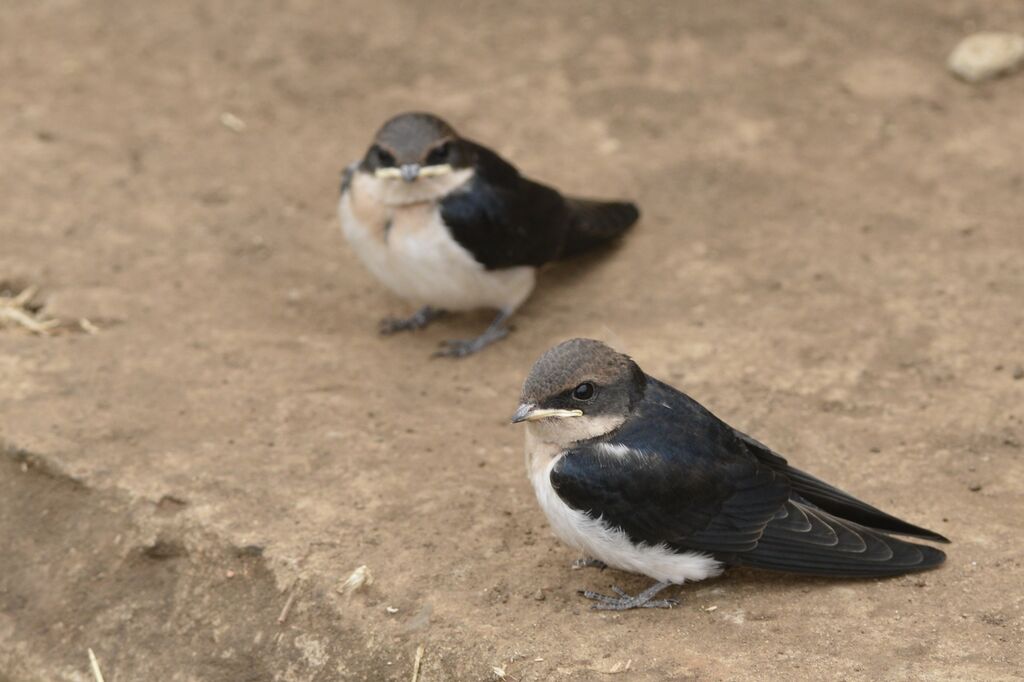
[232,122]
[985,55]
[229,573]
[361,577]
[1018,373]
[539,595]
[974,487]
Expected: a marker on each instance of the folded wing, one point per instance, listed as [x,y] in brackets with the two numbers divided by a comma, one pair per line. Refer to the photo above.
[678,476]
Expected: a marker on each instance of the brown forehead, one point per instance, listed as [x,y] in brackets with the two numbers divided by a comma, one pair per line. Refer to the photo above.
[414,132]
[412,147]
[571,362]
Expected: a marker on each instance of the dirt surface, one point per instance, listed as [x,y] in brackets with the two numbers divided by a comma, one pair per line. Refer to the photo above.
[830,258]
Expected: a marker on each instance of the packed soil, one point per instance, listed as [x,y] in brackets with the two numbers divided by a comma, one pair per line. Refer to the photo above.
[214,437]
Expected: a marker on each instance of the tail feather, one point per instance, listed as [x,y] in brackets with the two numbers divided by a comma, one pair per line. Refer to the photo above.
[592,223]
[810,541]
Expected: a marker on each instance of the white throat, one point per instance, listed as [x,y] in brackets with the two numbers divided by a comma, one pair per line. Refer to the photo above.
[563,433]
[549,438]
[392,191]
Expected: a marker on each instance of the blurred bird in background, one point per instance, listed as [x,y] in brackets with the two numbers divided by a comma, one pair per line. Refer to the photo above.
[449,225]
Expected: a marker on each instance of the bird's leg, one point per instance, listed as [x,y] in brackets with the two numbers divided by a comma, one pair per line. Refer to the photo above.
[420,319]
[624,602]
[589,562]
[460,348]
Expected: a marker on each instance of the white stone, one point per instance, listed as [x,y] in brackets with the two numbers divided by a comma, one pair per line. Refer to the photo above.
[986,55]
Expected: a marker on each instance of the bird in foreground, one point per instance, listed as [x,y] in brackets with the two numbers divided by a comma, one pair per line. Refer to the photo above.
[642,478]
[449,225]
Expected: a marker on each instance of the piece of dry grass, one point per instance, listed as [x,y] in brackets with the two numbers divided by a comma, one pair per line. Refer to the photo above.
[18,311]
[500,673]
[288,604]
[94,665]
[417,662]
[87,326]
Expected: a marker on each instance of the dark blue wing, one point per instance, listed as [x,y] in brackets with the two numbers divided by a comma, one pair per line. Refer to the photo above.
[673,475]
[506,220]
[503,219]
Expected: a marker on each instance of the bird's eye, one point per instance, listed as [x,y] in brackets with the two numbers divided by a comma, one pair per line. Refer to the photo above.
[384,157]
[584,391]
[438,155]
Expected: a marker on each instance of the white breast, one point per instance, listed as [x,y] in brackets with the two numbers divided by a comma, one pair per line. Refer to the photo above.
[406,245]
[597,539]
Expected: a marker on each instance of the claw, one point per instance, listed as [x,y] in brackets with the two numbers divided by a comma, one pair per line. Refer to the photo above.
[460,348]
[420,319]
[624,601]
[393,325]
[587,562]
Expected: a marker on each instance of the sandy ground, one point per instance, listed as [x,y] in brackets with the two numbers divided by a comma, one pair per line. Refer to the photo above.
[830,258]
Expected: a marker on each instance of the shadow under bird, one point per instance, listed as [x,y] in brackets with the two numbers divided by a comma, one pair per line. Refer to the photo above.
[449,225]
[642,478]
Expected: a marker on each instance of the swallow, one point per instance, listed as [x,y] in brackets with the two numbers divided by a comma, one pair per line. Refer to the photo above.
[640,477]
[449,225]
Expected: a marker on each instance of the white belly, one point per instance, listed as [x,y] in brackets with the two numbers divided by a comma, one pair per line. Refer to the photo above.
[408,248]
[597,539]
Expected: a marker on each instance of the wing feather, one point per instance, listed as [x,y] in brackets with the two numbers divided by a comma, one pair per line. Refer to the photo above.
[503,219]
[834,500]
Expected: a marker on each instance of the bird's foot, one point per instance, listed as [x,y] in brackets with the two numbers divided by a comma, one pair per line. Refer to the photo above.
[464,347]
[624,602]
[420,319]
[589,562]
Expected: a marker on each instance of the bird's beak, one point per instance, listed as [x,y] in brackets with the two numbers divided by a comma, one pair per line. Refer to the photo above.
[529,412]
[410,171]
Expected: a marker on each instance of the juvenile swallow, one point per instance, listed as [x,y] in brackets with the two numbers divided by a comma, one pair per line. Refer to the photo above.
[449,225]
[642,478]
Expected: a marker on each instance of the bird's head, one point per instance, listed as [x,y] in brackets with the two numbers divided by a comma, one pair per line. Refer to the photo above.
[577,390]
[414,146]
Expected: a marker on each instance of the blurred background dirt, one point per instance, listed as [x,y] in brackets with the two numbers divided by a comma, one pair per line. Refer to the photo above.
[830,258]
